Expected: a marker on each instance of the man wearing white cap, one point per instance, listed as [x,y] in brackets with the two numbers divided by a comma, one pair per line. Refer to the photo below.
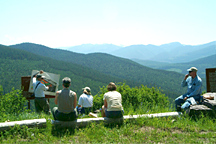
[194,85]
[85,101]
[41,104]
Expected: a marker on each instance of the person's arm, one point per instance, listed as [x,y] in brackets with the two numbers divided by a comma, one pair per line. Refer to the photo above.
[45,87]
[80,101]
[105,103]
[34,76]
[56,97]
[75,100]
[41,71]
[184,82]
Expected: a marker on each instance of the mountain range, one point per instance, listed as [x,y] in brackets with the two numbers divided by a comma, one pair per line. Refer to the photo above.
[201,64]
[171,53]
[109,65]
[94,69]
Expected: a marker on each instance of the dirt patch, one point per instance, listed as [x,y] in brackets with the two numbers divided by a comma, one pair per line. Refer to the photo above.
[144,129]
[149,129]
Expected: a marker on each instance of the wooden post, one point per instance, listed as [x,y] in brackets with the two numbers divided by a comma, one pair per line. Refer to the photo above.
[211,79]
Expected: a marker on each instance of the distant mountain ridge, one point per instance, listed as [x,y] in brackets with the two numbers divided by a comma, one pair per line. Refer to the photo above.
[92,48]
[113,66]
[172,52]
[201,64]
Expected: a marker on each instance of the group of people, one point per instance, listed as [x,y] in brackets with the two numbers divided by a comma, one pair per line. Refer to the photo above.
[66,100]
[68,110]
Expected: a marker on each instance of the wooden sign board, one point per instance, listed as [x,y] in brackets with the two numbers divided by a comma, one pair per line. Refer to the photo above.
[211,79]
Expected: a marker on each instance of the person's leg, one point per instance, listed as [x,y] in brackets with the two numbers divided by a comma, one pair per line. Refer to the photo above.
[38,109]
[73,116]
[186,105]
[114,114]
[198,99]
[54,112]
[44,105]
[82,110]
[188,102]
[103,111]
[178,101]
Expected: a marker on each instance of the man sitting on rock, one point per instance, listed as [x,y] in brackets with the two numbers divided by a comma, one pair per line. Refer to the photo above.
[194,84]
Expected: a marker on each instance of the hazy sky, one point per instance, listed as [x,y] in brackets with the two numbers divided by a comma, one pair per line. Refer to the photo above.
[62,23]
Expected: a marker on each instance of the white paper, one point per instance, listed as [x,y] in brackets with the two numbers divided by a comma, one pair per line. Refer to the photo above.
[192,100]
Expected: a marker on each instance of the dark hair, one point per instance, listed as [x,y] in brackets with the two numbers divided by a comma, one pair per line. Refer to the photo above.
[66,82]
[111,86]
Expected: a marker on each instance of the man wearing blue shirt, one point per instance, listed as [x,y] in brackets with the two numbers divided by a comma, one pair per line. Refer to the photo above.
[194,85]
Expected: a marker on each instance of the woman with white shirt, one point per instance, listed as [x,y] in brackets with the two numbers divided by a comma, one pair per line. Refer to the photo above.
[112,107]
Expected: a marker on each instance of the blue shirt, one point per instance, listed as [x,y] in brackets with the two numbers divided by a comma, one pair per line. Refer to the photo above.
[194,86]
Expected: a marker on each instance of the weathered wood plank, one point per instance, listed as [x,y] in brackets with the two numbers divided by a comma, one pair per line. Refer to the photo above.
[28,123]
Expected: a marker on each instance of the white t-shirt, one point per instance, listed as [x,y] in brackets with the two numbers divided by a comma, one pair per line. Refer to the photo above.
[114,101]
[39,92]
[85,100]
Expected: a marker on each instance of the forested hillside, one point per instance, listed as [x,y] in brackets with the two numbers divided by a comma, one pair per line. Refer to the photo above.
[169,82]
[201,64]
[15,63]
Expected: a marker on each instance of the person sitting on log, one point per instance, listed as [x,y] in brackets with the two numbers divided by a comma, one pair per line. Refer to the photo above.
[194,85]
[66,100]
[85,102]
[112,107]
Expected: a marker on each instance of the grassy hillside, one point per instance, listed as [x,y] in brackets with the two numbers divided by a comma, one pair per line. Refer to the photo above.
[15,63]
[114,66]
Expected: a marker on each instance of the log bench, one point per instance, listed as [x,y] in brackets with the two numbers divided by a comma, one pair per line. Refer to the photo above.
[28,123]
[81,122]
[86,121]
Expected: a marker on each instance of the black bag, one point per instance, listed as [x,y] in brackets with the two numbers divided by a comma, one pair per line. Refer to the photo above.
[33,95]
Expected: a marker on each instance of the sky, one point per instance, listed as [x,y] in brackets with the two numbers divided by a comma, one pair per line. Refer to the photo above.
[64,23]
